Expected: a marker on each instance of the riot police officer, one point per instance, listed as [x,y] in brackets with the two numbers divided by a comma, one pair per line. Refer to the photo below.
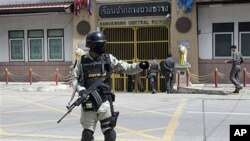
[92,66]
[236,61]
[153,70]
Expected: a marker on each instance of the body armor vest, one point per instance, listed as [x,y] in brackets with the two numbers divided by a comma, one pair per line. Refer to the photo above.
[94,69]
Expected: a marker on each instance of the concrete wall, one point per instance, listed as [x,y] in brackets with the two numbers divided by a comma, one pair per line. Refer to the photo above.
[78,39]
[191,35]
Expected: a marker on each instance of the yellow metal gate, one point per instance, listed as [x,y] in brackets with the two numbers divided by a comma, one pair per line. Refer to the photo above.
[133,44]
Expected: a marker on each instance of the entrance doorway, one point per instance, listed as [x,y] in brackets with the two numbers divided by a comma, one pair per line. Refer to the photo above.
[134,44]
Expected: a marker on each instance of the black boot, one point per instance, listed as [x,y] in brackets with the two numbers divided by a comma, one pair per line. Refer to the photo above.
[236,91]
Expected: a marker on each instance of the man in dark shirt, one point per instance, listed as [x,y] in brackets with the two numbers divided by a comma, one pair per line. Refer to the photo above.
[236,61]
[169,66]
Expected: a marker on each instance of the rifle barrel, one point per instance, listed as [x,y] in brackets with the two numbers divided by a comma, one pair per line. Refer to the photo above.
[70,109]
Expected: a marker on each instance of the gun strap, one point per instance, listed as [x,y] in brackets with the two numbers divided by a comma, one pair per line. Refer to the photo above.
[97,98]
[111,105]
[73,95]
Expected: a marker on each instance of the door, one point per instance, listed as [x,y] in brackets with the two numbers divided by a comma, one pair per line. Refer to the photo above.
[134,44]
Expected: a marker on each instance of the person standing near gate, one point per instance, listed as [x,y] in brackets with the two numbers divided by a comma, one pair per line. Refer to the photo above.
[154,69]
[236,61]
[169,68]
[92,66]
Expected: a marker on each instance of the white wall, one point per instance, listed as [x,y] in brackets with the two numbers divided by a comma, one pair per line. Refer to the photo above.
[36,21]
[222,13]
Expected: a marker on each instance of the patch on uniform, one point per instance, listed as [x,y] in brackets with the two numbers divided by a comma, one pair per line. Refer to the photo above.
[96,74]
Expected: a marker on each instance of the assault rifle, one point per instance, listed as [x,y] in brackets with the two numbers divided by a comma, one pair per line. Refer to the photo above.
[83,99]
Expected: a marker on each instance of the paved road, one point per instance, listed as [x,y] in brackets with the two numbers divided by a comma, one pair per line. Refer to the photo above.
[32,116]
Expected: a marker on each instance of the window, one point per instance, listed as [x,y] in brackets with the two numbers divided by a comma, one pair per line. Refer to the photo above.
[245,43]
[244,38]
[222,44]
[16,45]
[35,42]
[222,39]
[55,44]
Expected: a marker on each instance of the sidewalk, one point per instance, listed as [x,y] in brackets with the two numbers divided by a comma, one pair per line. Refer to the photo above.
[222,89]
[36,86]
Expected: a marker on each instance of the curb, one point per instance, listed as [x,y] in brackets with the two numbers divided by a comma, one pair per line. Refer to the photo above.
[208,91]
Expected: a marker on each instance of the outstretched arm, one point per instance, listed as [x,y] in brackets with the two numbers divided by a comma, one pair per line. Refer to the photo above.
[126,67]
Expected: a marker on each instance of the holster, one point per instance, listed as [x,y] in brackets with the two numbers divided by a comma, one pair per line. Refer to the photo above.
[115,115]
[114,118]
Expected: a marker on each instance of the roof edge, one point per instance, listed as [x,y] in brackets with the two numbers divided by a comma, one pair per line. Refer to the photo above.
[51,4]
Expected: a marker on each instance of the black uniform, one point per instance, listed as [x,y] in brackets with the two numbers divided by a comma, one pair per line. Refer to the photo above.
[169,67]
[92,66]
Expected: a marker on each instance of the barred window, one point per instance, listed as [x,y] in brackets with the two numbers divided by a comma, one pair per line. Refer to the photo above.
[245,43]
[222,39]
[244,38]
[222,44]
[16,45]
[55,44]
[36,49]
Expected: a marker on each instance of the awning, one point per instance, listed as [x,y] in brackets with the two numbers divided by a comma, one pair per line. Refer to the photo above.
[35,8]
[205,2]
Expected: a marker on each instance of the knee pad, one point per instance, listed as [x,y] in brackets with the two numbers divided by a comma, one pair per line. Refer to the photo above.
[87,135]
[110,135]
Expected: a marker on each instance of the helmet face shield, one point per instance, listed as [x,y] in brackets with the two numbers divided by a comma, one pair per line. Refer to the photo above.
[98,47]
[96,42]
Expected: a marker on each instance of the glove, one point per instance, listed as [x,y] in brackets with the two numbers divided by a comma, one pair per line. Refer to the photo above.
[83,93]
[144,65]
[83,97]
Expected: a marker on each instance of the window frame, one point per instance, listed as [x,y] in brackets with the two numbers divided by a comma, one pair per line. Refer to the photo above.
[232,41]
[16,38]
[240,33]
[62,39]
[10,48]
[30,49]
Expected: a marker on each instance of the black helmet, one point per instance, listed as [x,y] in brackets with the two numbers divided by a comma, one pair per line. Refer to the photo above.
[95,37]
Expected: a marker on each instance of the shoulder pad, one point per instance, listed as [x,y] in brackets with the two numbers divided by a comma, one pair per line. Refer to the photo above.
[106,57]
[85,60]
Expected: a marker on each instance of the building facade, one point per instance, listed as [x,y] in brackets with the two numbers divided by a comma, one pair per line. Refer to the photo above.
[44,36]
[137,30]
[220,25]
[35,36]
